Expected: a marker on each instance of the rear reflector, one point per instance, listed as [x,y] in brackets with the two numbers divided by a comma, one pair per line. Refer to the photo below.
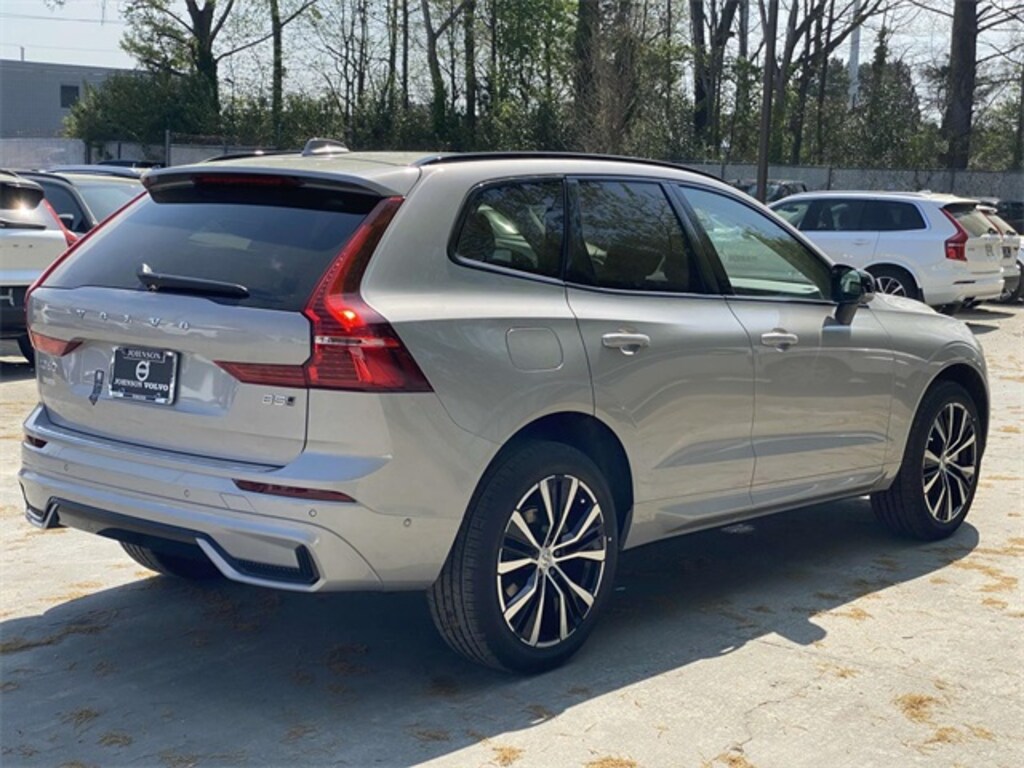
[354,348]
[52,346]
[310,494]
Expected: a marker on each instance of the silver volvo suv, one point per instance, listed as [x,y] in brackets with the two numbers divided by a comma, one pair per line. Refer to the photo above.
[481,375]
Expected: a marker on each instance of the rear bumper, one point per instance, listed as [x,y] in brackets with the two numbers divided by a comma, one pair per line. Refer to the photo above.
[982,287]
[381,541]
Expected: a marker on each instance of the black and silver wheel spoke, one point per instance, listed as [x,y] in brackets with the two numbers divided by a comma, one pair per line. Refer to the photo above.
[950,463]
[551,560]
[890,285]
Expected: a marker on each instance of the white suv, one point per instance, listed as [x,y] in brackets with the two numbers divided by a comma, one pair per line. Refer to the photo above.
[31,237]
[937,248]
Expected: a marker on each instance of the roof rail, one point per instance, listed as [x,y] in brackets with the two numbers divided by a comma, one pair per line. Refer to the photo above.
[462,157]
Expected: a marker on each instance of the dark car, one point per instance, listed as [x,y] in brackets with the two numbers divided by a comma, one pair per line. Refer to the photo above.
[777,188]
[83,197]
[1012,212]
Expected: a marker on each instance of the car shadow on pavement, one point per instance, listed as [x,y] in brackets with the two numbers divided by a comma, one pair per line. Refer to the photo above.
[164,671]
[12,369]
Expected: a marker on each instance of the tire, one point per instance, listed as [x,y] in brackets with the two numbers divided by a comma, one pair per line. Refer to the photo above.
[195,567]
[470,600]
[895,282]
[934,488]
[25,347]
[1015,295]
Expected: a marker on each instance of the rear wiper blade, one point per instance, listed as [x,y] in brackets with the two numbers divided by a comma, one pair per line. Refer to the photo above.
[157,281]
[12,224]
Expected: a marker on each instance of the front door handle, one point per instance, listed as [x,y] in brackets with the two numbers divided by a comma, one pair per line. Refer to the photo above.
[861,241]
[779,339]
[626,343]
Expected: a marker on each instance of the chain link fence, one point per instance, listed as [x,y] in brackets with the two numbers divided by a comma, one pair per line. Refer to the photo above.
[180,150]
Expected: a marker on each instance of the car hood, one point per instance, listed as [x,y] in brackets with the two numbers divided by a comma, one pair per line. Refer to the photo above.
[886,302]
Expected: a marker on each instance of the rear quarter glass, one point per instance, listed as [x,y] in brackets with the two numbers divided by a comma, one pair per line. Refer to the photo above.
[275,241]
[972,220]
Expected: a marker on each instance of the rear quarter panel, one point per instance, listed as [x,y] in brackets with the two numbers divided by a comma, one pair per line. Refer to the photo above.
[925,343]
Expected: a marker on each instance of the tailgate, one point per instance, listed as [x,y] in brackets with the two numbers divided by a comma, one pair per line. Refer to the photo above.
[240,262]
[983,248]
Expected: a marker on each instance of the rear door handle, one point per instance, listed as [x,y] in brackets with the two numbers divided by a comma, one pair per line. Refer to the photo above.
[779,339]
[626,343]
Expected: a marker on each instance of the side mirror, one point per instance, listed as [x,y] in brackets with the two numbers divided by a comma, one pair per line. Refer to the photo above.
[850,288]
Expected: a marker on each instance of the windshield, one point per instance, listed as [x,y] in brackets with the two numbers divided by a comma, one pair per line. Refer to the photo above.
[105,197]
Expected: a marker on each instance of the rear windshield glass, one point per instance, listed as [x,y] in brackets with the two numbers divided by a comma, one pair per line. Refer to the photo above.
[103,198]
[973,220]
[21,208]
[275,242]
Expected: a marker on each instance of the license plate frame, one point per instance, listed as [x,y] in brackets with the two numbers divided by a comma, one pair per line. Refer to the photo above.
[143,374]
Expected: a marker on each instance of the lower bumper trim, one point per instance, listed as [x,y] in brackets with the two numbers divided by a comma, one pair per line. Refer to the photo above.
[166,538]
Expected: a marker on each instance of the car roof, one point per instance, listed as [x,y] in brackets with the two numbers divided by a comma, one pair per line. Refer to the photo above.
[936,197]
[74,177]
[396,172]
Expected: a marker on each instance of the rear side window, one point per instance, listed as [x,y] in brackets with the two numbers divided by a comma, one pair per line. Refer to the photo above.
[971,219]
[891,216]
[275,241]
[64,203]
[632,240]
[839,214]
[517,225]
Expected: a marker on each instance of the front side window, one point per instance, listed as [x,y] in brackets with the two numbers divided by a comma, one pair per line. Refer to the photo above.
[792,212]
[632,240]
[759,257]
[516,225]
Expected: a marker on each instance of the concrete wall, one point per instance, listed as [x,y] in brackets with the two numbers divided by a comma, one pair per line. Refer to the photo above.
[31,98]
[1006,184]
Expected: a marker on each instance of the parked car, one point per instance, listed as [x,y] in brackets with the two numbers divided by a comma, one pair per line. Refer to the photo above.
[31,237]
[1012,212]
[939,249]
[1013,254]
[83,198]
[407,371]
[776,190]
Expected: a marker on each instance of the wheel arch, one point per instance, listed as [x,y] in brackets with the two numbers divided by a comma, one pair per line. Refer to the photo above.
[890,263]
[970,379]
[595,439]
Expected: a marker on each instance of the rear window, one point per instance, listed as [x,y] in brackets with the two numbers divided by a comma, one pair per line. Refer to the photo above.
[21,208]
[971,219]
[275,241]
[103,198]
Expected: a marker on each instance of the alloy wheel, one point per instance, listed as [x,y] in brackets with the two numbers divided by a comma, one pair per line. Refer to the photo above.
[551,561]
[890,285]
[950,462]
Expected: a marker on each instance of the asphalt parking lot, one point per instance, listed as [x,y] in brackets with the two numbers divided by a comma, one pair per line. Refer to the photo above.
[811,638]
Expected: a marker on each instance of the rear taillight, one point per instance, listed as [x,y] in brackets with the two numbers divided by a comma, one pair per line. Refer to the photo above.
[69,237]
[956,246]
[52,346]
[354,348]
[309,494]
